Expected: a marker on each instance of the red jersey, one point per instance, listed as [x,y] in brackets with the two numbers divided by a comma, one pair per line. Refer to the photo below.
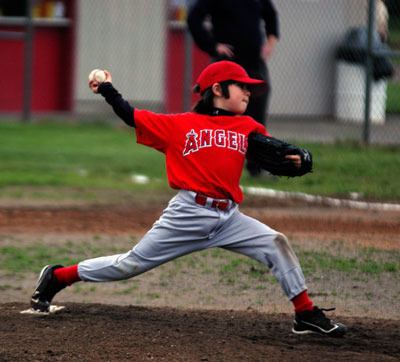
[203,153]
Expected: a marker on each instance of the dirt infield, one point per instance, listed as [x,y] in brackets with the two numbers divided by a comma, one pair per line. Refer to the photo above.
[110,332]
[97,332]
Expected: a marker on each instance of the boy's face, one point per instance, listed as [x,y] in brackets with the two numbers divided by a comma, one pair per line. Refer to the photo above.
[239,96]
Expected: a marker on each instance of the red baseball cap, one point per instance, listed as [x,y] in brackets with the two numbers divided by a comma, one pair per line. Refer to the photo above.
[226,70]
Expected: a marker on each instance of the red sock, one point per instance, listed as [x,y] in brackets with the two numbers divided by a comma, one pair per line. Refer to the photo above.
[67,275]
[302,302]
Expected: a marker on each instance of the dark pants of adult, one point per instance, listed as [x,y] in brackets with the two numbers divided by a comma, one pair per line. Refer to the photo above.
[258,106]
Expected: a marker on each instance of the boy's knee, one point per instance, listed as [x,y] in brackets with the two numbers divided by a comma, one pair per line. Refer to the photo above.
[283,245]
[128,267]
[281,240]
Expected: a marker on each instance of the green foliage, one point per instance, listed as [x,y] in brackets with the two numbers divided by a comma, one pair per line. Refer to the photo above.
[393,98]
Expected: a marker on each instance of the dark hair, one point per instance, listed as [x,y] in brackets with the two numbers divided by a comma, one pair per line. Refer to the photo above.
[206,104]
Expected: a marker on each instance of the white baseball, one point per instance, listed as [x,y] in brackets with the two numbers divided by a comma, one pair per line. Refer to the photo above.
[98,75]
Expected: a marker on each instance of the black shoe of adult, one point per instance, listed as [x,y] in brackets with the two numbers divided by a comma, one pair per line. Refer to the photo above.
[47,287]
[315,321]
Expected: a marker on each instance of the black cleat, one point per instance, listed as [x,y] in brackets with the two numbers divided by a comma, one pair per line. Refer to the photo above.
[47,287]
[315,321]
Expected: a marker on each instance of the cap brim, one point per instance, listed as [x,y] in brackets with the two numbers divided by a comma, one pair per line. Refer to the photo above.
[257,87]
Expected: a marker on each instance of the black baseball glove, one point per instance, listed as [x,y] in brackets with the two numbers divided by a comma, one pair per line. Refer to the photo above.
[269,153]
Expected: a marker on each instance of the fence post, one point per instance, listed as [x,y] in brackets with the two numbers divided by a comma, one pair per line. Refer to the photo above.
[368,72]
[28,64]
[187,74]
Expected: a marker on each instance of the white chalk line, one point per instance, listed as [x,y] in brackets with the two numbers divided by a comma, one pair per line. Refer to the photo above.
[330,201]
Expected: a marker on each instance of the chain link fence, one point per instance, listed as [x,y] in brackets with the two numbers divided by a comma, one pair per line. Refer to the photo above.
[322,73]
[318,70]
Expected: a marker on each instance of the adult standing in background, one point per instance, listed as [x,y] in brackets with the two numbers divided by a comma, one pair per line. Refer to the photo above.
[382,20]
[243,31]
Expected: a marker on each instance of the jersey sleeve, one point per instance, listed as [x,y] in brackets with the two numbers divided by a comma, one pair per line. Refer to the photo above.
[258,127]
[153,129]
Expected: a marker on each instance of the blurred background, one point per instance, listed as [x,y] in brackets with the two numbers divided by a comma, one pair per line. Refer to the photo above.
[318,93]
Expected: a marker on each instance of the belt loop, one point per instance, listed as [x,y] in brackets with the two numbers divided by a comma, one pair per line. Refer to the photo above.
[200,199]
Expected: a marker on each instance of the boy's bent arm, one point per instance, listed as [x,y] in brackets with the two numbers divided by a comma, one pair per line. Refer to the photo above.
[121,107]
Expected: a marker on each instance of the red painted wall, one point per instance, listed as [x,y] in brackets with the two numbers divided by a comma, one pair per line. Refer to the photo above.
[52,70]
[175,70]
[12,68]
[53,65]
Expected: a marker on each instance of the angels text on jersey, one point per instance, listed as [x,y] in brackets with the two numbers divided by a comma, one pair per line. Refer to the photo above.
[195,141]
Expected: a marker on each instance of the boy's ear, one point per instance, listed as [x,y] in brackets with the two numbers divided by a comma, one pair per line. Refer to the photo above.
[217,89]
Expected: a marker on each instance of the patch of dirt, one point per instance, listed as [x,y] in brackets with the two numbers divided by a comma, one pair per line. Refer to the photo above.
[106,332]
[367,227]
[97,332]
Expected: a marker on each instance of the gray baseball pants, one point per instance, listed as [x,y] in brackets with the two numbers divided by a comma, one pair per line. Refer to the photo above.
[185,227]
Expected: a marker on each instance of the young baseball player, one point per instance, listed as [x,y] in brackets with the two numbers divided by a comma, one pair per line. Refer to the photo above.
[205,151]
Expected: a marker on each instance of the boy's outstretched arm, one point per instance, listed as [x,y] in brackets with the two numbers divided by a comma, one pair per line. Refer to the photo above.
[121,107]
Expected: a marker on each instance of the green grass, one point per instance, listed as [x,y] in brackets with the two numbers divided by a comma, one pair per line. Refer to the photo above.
[100,157]
[31,258]
[347,167]
[73,155]
[365,262]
